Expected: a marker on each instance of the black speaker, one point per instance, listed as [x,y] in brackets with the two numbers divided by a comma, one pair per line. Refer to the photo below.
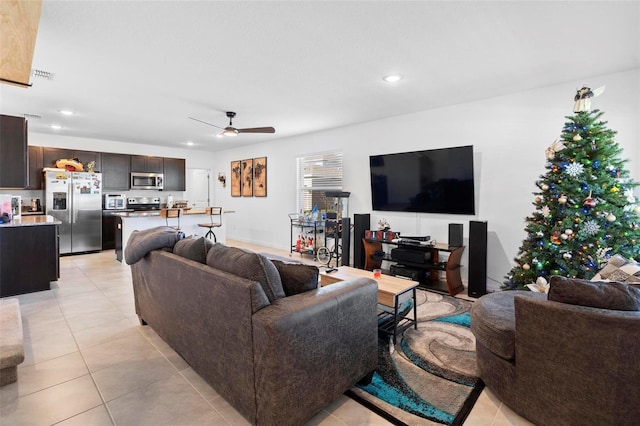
[346,241]
[455,235]
[361,222]
[477,259]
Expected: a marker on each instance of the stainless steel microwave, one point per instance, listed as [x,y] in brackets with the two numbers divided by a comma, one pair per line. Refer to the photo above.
[147,181]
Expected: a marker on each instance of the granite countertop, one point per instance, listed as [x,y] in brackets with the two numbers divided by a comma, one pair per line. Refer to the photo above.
[34,220]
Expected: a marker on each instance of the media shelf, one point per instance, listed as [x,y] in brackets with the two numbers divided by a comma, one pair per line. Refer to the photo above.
[428,273]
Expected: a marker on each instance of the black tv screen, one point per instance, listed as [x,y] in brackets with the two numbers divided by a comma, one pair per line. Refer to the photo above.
[430,181]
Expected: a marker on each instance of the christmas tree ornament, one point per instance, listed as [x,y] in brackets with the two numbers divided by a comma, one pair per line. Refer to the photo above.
[589,202]
[562,199]
[574,169]
[582,99]
[526,267]
[544,187]
[568,232]
[564,236]
[590,228]
[567,256]
[615,189]
[577,138]
[611,217]
[556,146]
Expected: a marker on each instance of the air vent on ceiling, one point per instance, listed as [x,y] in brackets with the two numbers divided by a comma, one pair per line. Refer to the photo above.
[32,116]
[42,74]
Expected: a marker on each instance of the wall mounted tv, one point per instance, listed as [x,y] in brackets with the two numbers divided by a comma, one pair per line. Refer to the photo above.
[430,181]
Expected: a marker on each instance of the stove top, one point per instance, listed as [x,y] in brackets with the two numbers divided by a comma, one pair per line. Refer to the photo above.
[143,203]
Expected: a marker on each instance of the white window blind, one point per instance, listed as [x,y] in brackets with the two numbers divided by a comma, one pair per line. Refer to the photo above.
[317,173]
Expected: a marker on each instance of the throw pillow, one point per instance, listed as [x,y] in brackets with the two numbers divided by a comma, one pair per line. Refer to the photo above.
[297,277]
[596,294]
[618,268]
[142,242]
[194,248]
[249,265]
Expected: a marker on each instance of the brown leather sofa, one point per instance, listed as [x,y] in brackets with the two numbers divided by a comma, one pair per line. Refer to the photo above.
[277,359]
[558,363]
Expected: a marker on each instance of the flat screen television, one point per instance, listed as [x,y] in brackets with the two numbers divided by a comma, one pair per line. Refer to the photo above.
[430,181]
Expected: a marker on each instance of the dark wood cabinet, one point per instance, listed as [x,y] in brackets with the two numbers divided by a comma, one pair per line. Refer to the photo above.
[13,152]
[51,155]
[36,179]
[115,172]
[146,164]
[108,231]
[23,247]
[174,174]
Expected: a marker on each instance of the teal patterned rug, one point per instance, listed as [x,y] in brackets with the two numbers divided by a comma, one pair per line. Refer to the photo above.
[429,376]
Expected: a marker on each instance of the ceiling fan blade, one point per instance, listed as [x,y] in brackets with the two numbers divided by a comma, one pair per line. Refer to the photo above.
[257,130]
[204,122]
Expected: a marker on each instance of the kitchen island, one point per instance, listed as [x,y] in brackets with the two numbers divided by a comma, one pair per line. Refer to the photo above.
[127,222]
[29,254]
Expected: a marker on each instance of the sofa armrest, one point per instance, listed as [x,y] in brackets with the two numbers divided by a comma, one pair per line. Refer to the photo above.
[311,347]
[576,360]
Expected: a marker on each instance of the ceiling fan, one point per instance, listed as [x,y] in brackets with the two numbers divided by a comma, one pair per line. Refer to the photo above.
[232,131]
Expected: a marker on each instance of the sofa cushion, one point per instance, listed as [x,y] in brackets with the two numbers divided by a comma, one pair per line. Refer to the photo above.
[618,268]
[493,320]
[142,242]
[249,265]
[297,277]
[194,248]
[596,294]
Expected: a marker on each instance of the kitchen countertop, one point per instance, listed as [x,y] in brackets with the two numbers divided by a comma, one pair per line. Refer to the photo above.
[155,213]
[33,220]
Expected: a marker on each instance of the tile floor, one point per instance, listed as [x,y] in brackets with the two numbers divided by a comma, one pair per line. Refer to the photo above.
[89,362]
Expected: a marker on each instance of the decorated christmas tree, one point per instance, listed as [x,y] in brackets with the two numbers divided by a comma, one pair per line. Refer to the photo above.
[585,210]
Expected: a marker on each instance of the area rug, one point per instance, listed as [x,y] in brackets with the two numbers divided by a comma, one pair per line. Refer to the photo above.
[429,376]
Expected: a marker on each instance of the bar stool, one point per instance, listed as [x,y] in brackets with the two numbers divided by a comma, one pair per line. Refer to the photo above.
[212,211]
[172,213]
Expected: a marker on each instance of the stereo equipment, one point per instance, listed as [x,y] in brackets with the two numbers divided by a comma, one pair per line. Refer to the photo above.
[455,235]
[477,282]
[346,241]
[361,223]
[414,256]
[414,274]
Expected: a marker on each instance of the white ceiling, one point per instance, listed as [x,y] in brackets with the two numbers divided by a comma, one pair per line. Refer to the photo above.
[135,71]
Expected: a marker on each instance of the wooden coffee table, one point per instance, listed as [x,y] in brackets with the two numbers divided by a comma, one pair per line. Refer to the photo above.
[390,291]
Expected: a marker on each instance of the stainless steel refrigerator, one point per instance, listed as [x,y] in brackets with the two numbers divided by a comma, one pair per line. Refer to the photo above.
[75,198]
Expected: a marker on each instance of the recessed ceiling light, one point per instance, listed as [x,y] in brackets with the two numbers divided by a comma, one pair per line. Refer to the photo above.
[189,143]
[392,78]
[66,112]
[56,126]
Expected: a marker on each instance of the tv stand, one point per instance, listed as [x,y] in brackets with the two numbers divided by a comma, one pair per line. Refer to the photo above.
[429,274]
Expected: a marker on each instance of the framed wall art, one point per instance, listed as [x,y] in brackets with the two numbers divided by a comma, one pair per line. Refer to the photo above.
[247,178]
[260,177]
[236,179]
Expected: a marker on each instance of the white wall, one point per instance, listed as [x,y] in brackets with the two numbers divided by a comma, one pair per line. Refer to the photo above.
[509,135]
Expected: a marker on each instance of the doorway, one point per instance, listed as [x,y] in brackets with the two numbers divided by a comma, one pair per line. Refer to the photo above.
[198,188]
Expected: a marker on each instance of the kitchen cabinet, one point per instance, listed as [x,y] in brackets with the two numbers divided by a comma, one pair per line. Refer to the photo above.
[13,152]
[147,164]
[174,174]
[51,155]
[115,172]
[108,230]
[35,168]
[21,249]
